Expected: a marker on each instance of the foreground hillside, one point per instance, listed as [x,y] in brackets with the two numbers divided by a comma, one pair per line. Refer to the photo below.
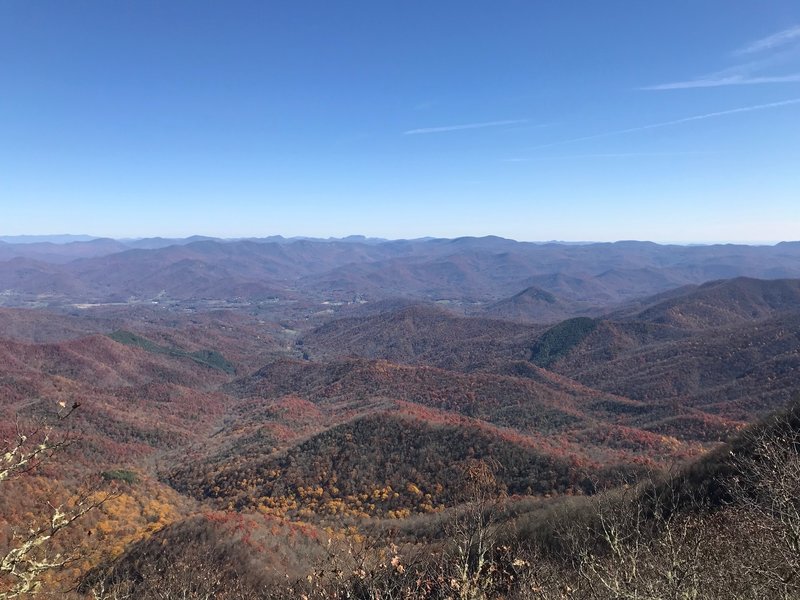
[724,523]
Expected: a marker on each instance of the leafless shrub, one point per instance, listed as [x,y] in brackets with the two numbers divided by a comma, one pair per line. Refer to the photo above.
[30,557]
[766,492]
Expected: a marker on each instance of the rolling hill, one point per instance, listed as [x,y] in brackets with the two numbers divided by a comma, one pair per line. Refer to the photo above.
[303,386]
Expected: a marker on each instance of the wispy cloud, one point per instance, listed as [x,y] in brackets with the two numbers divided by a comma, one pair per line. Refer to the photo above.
[776,40]
[703,117]
[605,155]
[712,81]
[447,128]
[781,49]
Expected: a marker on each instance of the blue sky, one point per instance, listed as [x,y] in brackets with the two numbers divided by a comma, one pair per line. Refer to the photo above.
[670,121]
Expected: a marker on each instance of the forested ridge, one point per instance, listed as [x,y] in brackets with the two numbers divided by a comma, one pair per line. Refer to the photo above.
[403,450]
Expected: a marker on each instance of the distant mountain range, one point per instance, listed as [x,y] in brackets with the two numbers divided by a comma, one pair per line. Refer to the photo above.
[493,276]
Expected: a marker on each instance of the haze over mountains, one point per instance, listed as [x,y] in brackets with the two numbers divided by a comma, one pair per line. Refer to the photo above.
[502,278]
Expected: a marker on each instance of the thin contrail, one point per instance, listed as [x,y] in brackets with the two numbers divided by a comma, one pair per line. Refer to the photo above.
[723,81]
[712,115]
[466,126]
[773,41]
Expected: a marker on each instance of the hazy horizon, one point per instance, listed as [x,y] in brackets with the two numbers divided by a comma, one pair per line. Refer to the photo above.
[528,121]
[71,237]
